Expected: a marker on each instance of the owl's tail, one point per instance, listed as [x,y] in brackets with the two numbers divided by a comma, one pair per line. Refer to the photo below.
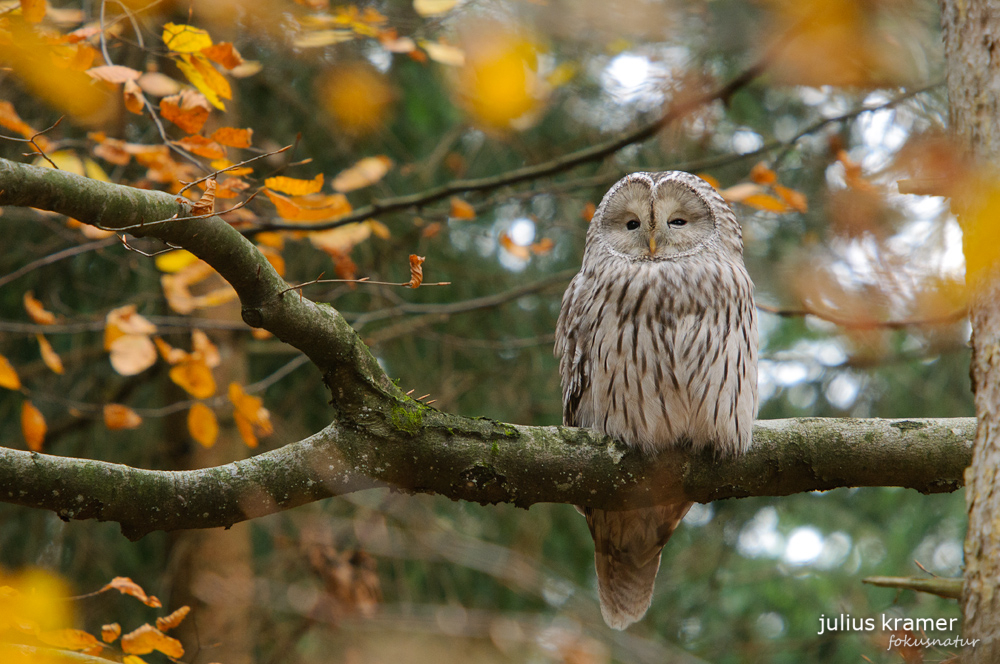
[627,548]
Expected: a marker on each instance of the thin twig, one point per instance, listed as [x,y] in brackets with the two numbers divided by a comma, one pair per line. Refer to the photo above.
[362,280]
[229,168]
[855,324]
[38,150]
[56,257]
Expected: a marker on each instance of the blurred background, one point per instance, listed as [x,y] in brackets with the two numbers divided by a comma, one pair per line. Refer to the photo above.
[836,107]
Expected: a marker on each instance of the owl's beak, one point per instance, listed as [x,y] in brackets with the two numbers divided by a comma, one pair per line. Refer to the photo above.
[652,245]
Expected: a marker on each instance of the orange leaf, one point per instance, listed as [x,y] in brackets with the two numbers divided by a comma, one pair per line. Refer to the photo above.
[132,354]
[234,138]
[794,199]
[203,347]
[125,320]
[36,311]
[116,74]
[33,11]
[275,258]
[203,427]
[147,638]
[11,120]
[765,202]
[761,174]
[188,110]
[339,241]
[416,270]
[8,377]
[201,146]
[740,192]
[69,639]
[224,53]
[206,204]
[306,209]
[588,211]
[245,427]
[195,377]
[711,180]
[49,356]
[431,230]
[543,246]
[32,426]
[133,97]
[514,248]
[110,632]
[366,172]
[167,623]
[251,409]
[170,354]
[461,209]
[127,586]
[117,416]
[295,186]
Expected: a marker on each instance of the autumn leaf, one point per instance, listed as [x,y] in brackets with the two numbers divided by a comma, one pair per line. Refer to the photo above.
[340,241]
[761,174]
[295,186]
[461,209]
[223,53]
[147,638]
[116,74]
[127,586]
[133,97]
[518,250]
[174,261]
[203,427]
[234,138]
[793,199]
[167,623]
[70,639]
[446,54]
[32,426]
[181,38]
[365,172]
[427,8]
[117,416]
[209,82]
[251,417]
[740,192]
[170,354]
[32,11]
[711,180]
[158,85]
[309,209]
[416,271]
[357,96]
[588,211]
[36,311]
[131,354]
[8,376]
[543,246]
[206,204]
[49,356]
[201,146]
[188,110]
[110,632]
[246,430]
[11,120]
[195,377]
[765,202]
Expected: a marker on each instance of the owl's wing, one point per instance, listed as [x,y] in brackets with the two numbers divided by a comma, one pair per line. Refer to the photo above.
[573,338]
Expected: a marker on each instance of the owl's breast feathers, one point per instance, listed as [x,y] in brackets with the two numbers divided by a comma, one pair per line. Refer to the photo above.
[657,353]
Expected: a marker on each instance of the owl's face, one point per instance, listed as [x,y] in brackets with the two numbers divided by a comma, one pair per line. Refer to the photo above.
[659,216]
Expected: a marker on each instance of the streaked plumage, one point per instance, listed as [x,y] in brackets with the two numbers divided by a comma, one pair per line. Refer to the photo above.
[657,340]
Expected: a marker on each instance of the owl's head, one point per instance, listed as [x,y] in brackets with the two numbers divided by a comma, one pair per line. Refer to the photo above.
[663,216]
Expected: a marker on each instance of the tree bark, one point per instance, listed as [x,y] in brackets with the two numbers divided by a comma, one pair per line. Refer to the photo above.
[971,30]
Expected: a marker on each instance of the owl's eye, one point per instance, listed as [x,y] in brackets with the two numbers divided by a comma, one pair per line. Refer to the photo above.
[632,224]
[677,222]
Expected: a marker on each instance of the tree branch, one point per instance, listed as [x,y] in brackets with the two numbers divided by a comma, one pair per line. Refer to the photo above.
[480,460]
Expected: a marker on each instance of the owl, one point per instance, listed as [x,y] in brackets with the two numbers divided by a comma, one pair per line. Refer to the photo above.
[657,347]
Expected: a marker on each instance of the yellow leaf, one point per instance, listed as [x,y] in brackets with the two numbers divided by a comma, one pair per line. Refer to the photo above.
[365,172]
[110,632]
[32,426]
[245,427]
[174,261]
[133,97]
[203,427]
[357,96]
[305,209]
[170,354]
[379,229]
[147,638]
[117,416]
[133,659]
[320,38]
[8,377]
[33,11]
[295,186]
[127,586]
[250,408]
[94,171]
[213,80]
[194,376]
[197,79]
[173,620]
[181,38]
[132,354]
[69,639]
[49,356]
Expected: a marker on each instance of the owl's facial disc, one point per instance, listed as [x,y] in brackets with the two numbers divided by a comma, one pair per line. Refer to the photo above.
[682,221]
